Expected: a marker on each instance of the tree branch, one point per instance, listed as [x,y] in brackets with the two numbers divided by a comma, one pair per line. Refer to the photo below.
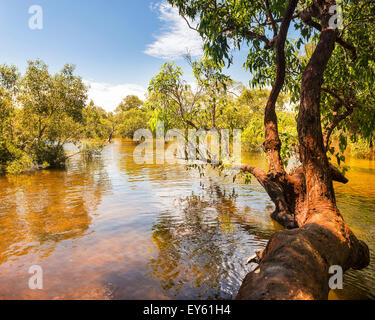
[349,47]
[336,174]
[337,118]
[307,15]
[313,155]
[272,143]
[271,19]
[188,23]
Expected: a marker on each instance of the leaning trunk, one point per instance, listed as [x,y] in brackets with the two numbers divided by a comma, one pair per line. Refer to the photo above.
[295,264]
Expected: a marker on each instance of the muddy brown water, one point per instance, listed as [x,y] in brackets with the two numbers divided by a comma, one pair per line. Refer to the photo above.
[112,229]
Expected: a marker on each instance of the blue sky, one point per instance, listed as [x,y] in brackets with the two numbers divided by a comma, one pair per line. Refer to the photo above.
[117,45]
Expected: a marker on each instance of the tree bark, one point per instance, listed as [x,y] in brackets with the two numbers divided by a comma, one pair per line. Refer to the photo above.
[276,183]
[295,263]
[272,143]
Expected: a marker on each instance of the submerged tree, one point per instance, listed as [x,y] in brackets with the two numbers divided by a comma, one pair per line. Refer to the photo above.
[213,84]
[184,106]
[40,113]
[173,99]
[335,78]
[97,123]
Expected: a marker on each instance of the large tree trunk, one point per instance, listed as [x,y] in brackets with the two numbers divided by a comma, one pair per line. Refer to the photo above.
[295,263]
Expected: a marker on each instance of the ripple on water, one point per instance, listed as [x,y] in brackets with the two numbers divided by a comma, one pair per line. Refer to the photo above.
[116,230]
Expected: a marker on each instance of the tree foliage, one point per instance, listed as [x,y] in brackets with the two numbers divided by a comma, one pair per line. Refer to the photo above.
[129,102]
[348,97]
[40,113]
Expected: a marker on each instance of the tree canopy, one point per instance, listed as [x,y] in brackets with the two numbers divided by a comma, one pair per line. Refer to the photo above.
[256,26]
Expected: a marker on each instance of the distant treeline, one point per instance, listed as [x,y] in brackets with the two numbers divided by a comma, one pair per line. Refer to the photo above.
[41,112]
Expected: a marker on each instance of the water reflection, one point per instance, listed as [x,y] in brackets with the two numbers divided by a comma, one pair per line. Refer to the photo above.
[199,249]
[116,230]
[41,209]
[356,201]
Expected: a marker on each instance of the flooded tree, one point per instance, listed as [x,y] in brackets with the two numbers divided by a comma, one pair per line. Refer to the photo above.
[332,82]
[41,113]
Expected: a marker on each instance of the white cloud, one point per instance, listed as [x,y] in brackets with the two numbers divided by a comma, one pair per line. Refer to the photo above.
[177,39]
[108,96]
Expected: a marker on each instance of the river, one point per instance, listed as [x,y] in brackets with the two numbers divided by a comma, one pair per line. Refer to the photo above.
[111,229]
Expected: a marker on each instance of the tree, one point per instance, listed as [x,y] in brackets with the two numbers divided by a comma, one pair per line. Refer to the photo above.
[40,113]
[304,199]
[130,115]
[97,123]
[213,84]
[129,102]
[13,158]
[176,103]
[132,120]
[172,99]
[51,111]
